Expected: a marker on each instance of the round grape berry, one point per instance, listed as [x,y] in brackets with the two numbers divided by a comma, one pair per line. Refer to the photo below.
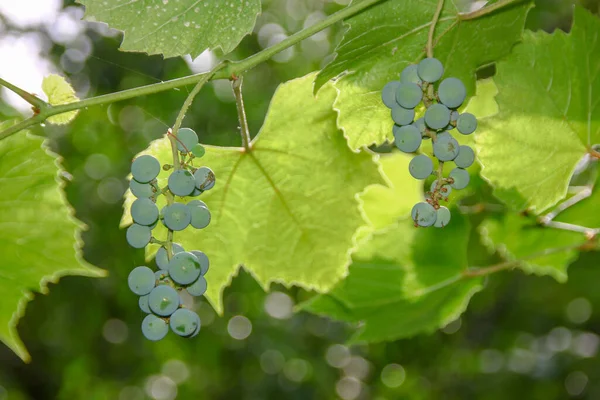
[154,328]
[184,268]
[176,216]
[410,75]
[409,95]
[461,178]
[203,259]
[465,158]
[138,236]
[141,190]
[430,70]
[420,167]
[420,125]
[145,168]
[197,288]
[423,214]
[141,280]
[437,116]
[452,92]
[184,322]
[443,217]
[445,148]
[144,212]
[198,151]
[186,140]
[161,258]
[388,94]
[445,190]
[408,138]
[181,183]
[143,303]
[164,300]
[205,178]
[403,116]
[466,123]
[200,214]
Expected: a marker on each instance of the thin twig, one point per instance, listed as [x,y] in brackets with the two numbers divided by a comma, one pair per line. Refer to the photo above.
[583,194]
[487,10]
[236,84]
[589,232]
[36,102]
[434,22]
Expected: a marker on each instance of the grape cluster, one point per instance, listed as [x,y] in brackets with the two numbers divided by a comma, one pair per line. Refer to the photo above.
[159,291]
[416,86]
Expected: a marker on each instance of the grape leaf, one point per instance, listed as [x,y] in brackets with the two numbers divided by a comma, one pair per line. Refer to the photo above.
[59,91]
[39,239]
[286,210]
[549,114]
[544,251]
[402,282]
[368,58]
[176,27]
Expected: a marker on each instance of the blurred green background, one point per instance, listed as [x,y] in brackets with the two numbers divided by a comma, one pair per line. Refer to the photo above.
[521,338]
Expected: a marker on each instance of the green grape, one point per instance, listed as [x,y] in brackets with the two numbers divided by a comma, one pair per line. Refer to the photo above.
[141,190]
[409,95]
[445,148]
[443,217]
[186,140]
[409,74]
[200,215]
[408,138]
[145,168]
[445,190]
[454,115]
[154,328]
[388,94]
[423,214]
[452,92]
[430,70]
[176,217]
[162,261]
[420,167]
[161,275]
[197,288]
[205,178]
[141,280]
[184,268]
[144,212]
[143,303]
[164,300]
[461,178]
[465,157]
[184,322]
[466,123]
[403,116]
[181,183]
[437,116]
[203,259]
[198,151]
[138,236]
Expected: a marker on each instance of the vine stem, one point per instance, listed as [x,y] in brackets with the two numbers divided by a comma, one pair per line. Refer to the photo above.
[224,70]
[236,84]
[434,22]
[477,272]
[487,10]
[36,102]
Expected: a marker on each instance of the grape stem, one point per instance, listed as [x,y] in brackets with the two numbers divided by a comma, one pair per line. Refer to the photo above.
[434,22]
[224,70]
[236,84]
[37,103]
[548,219]
[487,10]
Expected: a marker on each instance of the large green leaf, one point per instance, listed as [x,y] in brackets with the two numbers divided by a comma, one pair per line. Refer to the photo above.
[286,210]
[549,114]
[176,27]
[403,281]
[368,57]
[39,238]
